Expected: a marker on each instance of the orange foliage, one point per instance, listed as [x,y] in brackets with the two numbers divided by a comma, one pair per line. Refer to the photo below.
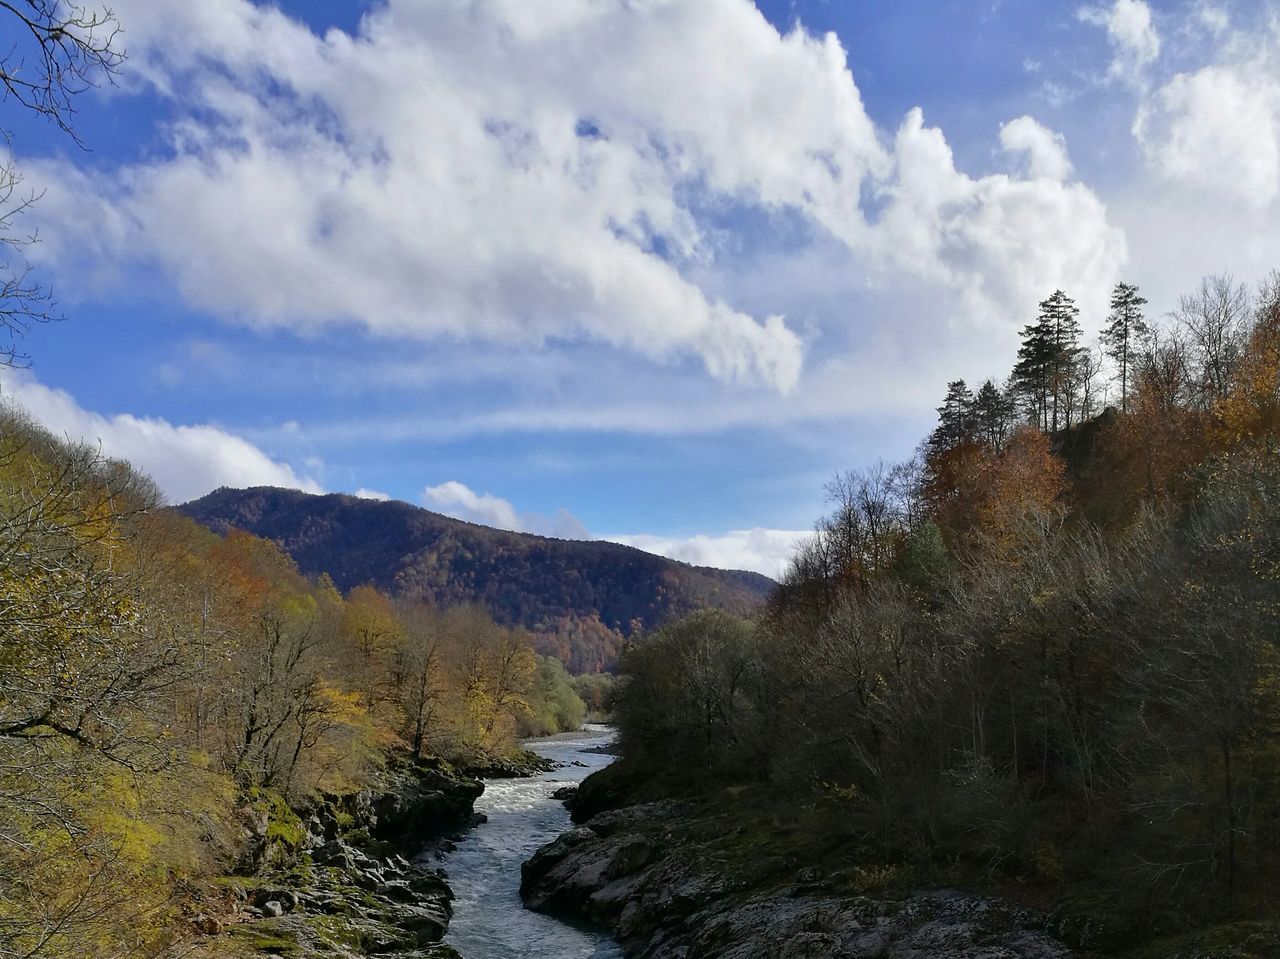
[975,492]
[1250,411]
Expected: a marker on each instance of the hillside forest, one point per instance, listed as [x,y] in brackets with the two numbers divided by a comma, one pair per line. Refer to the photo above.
[155,677]
[580,600]
[1040,656]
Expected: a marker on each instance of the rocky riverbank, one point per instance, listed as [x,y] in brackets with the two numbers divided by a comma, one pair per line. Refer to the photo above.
[344,876]
[675,881]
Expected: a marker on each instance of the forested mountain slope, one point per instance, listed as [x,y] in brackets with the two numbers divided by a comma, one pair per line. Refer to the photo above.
[580,597]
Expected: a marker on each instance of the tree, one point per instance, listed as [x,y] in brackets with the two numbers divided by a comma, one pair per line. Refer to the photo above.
[1034,370]
[1126,329]
[53,53]
[1215,320]
[1045,372]
[993,414]
[955,418]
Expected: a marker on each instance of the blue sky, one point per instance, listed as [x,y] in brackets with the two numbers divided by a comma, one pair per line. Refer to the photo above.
[650,270]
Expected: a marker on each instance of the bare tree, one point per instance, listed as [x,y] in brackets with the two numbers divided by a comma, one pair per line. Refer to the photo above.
[52,52]
[59,50]
[1215,320]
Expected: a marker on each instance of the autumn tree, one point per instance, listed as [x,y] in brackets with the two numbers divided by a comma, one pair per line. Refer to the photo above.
[99,800]
[420,683]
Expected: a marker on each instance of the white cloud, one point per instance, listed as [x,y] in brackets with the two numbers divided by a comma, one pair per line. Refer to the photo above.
[1046,150]
[185,461]
[1218,129]
[998,242]
[478,170]
[765,551]
[373,494]
[1212,16]
[461,502]
[1132,34]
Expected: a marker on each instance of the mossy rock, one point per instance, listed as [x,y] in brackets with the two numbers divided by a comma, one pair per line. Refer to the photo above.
[267,939]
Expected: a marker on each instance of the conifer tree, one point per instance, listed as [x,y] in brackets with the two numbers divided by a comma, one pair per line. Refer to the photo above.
[955,418]
[1046,360]
[1032,373]
[1126,329]
[992,415]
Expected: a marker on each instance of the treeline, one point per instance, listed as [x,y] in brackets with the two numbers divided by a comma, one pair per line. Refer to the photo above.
[1047,656]
[582,599]
[152,674]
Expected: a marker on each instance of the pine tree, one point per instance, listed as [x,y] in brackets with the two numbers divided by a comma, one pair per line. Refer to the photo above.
[992,415]
[1046,360]
[955,418]
[1032,373]
[1127,327]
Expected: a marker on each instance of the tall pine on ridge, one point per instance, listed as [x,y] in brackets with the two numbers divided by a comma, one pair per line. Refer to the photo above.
[1126,329]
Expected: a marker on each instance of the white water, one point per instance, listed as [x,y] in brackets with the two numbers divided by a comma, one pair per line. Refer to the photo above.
[489,920]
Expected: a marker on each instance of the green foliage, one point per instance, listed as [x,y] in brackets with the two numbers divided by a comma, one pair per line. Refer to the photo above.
[553,704]
[596,692]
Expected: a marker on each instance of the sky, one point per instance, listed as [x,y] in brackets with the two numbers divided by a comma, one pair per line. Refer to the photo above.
[644,270]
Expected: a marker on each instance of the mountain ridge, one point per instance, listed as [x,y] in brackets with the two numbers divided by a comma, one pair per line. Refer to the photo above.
[581,598]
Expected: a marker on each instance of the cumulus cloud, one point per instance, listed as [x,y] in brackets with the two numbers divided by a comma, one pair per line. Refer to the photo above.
[1046,151]
[765,551]
[461,502]
[185,461]
[997,242]
[500,172]
[1218,129]
[373,494]
[1132,34]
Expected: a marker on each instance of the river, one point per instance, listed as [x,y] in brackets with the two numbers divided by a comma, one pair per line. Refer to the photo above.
[489,920]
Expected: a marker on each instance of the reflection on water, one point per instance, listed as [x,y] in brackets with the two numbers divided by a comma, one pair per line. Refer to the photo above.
[489,920]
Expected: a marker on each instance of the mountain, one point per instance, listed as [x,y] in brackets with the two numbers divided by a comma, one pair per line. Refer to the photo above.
[581,598]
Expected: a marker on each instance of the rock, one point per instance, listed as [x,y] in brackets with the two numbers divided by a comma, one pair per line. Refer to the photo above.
[334,853]
[523,763]
[655,877]
[631,854]
[346,889]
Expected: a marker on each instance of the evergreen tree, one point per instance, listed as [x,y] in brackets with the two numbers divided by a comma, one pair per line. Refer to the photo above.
[993,413]
[955,418]
[1033,371]
[1046,361]
[1126,328]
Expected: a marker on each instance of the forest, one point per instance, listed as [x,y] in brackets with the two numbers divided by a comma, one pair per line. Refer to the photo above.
[156,677]
[1041,656]
[580,599]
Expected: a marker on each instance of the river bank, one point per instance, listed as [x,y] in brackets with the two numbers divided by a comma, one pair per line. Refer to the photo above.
[345,876]
[674,880]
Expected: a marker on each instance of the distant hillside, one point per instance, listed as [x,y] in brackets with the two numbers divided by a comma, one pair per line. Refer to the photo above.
[581,597]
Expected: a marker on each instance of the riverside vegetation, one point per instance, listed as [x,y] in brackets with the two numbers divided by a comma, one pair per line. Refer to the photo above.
[1039,662]
[176,706]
